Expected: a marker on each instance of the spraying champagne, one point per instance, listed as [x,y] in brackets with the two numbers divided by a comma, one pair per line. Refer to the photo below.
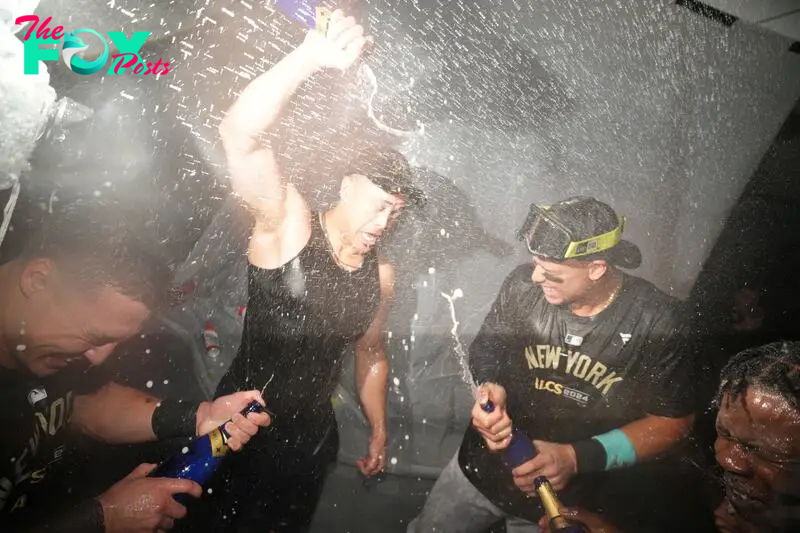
[520,450]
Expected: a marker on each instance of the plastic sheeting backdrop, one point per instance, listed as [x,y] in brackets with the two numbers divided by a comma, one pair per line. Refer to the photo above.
[660,112]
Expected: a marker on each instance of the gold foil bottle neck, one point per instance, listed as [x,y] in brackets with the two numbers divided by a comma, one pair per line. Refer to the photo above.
[219,443]
[551,504]
[323,19]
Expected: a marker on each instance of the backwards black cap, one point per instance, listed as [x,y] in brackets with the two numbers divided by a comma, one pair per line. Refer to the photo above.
[389,170]
[585,219]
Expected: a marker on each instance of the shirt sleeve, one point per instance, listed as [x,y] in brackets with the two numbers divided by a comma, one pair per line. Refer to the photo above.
[7,492]
[491,346]
[669,370]
[86,517]
[82,378]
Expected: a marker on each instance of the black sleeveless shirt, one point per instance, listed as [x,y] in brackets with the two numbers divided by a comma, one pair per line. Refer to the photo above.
[300,318]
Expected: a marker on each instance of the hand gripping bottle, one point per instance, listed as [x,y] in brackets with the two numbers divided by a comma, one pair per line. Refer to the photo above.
[200,459]
[520,450]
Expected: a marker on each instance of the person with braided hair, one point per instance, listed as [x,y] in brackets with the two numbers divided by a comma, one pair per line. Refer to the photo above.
[758,440]
[757,446]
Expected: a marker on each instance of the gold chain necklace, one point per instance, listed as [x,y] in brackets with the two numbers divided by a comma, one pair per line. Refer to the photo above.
[611,298]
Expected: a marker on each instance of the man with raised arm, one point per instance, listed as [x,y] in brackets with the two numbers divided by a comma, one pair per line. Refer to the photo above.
[316,285]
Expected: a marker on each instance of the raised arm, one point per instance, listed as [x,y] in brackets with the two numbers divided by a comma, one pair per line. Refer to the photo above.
[253,168]
[251,161]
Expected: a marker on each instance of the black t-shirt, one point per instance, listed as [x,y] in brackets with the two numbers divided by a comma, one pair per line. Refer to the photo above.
[622,364]
[34,416]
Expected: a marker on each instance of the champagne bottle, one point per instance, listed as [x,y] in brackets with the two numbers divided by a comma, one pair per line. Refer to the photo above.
[553,508]
[199,460]
[520,450]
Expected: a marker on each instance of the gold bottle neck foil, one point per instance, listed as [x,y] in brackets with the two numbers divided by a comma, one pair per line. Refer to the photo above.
[551,505]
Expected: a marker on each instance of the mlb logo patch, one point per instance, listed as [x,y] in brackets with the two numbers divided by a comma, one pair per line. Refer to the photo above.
[36,395]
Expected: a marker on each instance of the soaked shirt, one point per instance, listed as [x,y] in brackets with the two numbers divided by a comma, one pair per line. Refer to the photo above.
[35,414]
[569,378]
[300,319]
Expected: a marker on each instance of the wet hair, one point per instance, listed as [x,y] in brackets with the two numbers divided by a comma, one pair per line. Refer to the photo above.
[104,245]
[774,367]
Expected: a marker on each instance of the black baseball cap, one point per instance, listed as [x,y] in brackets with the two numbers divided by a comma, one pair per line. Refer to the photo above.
[389,170]
[585,218]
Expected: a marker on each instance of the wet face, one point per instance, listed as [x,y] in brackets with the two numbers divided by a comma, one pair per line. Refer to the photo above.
[64,323]
[568,281]
[369,212]
[758,447]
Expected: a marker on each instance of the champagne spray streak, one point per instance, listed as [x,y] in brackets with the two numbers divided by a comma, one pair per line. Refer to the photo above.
[264,388]
[463,359]
[366,73]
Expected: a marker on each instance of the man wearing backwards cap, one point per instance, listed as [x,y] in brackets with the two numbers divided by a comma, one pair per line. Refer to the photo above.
[585,360]
[316,285]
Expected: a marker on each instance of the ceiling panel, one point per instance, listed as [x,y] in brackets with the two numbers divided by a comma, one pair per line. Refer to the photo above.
[755,10]
[780,16]
[788,25]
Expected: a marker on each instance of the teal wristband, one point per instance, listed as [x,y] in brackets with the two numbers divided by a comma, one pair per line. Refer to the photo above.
[620,452]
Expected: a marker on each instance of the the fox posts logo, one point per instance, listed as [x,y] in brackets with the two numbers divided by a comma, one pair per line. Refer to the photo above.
[126,58]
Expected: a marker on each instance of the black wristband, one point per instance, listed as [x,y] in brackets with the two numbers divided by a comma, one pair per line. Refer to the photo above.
[590,456]
[175,418]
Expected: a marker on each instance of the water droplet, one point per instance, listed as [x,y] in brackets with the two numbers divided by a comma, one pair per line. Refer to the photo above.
[396,382]
[431,270]
[210,490]
[21,347]
[185,449]
[149,384]
[166,382]
[147,350]
[393,460]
